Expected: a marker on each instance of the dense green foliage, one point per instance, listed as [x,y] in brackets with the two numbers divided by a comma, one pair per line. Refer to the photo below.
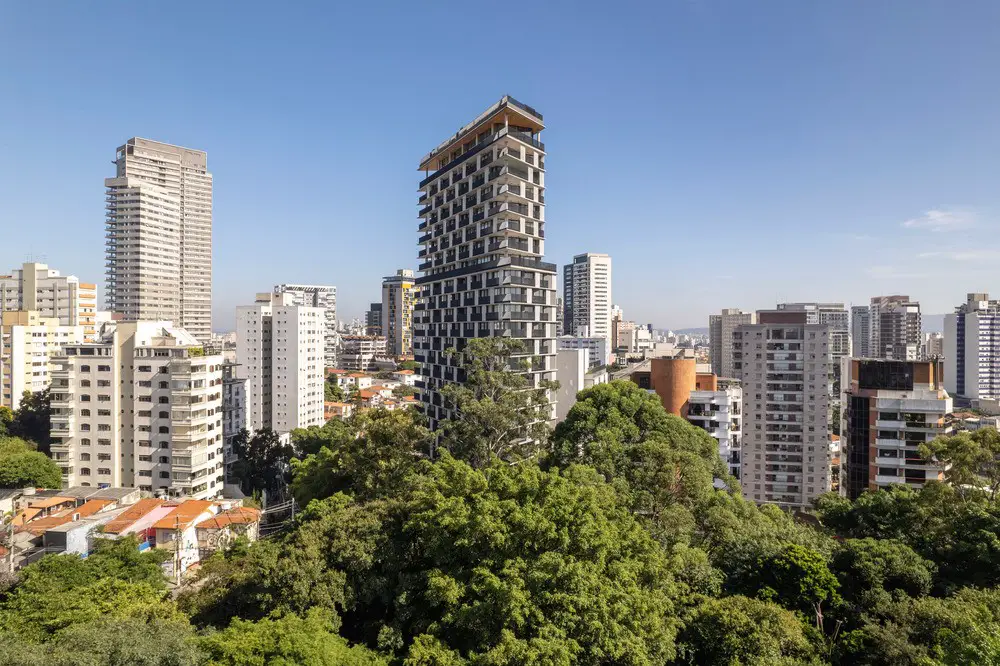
[263,462]
[21,466]
[618,540]
[31,420]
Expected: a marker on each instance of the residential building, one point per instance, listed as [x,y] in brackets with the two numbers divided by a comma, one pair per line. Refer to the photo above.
[406,377]
[358,352]
[861,331]
[890,408]
[932,346]
[622,335]
[280,349]
[337,410]
[36,287]
[720,339]
[701,398]
[784,364]
[399,295]
[139,408]
[373,320]
[159,236]
[972,349]
[317,296]
[481,247]
[599,348]
[839,320]
[28,345]
[234,411]
[895,322]
[587,296]
[575,372]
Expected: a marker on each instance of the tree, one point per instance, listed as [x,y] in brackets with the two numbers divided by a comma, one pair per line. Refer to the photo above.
[303,641]
[408,365]
[263,462]
[498,411]
[109,641]
[332,392]
[386,449]
[744,631]
[21,466]
[332,434]
[403,391]
[971,461]
[32,420]
[6,419]
[872,573]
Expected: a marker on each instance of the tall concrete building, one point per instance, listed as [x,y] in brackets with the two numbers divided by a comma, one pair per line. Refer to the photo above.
[890,409]
[481,246]
[159,236]
[895,328]
[29,344]
[720,339]
[861,331]
[399,295]
[37,288]
[373,319]
[836,316]
[316,296]
[139,408]
[587,296]
[280,351]
[784,363]
[234,412]
[972,348]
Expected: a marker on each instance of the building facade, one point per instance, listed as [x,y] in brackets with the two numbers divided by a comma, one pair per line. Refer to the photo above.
[895,328]
[359,352]
[972,348]
[575,372]
[836,316]
[317,296]
[139,408]
[861,331]
[399,295]
[587,296]
[891,408]
[280,351]
[28,345]
[599,348]
[784,364]
[234,412]
[482,239]
[373,320]
[37,288]
[720,339]
[159,236]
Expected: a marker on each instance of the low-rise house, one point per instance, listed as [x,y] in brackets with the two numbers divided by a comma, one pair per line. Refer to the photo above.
[177,532]
[383,390]
[225,527]
[337,410]
[408,377]
[359,380]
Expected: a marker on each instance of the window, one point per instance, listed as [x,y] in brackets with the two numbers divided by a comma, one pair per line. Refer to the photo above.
[85,383]
[164,430]
[164,385]
[85,471]
[104,382]
[104,470]
[84,442]
[104,412]
[164,415]
[84,368]
[104,368]
[164,475]
[85,427]
[84,456]
[104,442]
[145,472]
[104,456]
[104,398]
[145,368]
[164,400]
[84,412]
[84,398]
[146,458]
[104,427]
[164,459]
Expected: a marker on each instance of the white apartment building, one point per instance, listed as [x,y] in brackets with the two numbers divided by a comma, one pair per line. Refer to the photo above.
[895,328]
[575,372]
[599,348]
[481,246]
[139,408]
[359,352]
[159,235]
[719,413]
[234,411]
[38,288]
[720,339]
[587,296]
[280,352]
[28,344]
[861,331]
[972,348]
[784,364]
[399,295]
[317,296]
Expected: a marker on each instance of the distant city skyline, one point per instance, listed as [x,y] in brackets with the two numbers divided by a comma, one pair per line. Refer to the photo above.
[684,144]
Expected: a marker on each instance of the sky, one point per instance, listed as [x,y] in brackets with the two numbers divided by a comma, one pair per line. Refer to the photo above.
[724,153]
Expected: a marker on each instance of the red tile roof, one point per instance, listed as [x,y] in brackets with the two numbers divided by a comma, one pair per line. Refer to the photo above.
[403,372]
[239,516]
[90,507]
[183,515]
[125,519]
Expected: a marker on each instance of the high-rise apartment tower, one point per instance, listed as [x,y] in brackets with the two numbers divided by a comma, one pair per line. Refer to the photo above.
[399,295]
[720,339]
[972,348]
[587,296]
[38,288]
[482,237]
[895,328]
[316,296]
[861,331]
[159,236]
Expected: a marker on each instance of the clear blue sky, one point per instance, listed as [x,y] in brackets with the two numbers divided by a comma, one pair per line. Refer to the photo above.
[726,154]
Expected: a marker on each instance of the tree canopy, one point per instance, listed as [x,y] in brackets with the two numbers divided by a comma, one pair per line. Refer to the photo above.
[21,466]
